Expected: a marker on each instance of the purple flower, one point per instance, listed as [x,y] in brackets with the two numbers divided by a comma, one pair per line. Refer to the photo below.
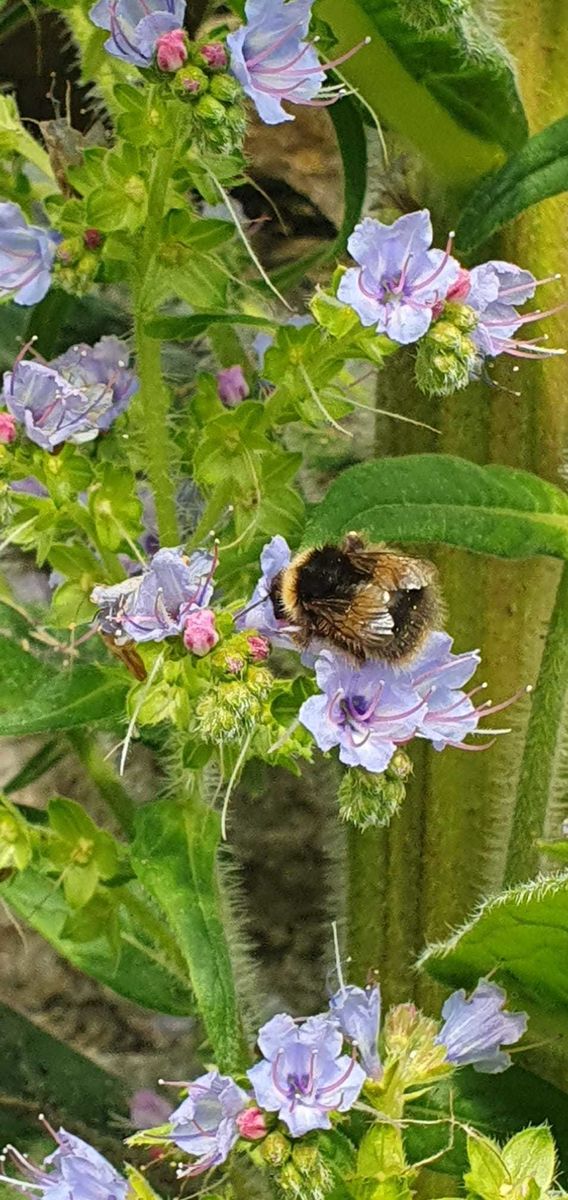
[494,290]
[358,1014]
[474,1029]
[273,62]
[205,1124]
[259,614]
[367,711]
[303,1075]
[148,1110]
[400,280]
[74,397]
[26,256]
[135,26]
[75,1172]
[156,604]
[232,386]
[438,675]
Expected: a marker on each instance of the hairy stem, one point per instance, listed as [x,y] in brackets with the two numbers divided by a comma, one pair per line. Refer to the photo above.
[542,745]
[152,401]
[104,777]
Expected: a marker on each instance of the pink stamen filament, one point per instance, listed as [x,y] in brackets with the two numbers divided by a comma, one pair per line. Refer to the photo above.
[272,46]
[321,67]
[520,287]
[284,1092]
[443,261]
[472,749]
[437,671]
[332,1087]
[515,318]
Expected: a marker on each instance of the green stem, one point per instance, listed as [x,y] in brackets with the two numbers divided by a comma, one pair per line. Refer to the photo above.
[152,401]
[105,778]
[542,745]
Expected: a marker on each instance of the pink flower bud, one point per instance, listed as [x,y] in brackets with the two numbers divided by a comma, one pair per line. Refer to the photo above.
[259,648]
[234,664]
[251,1124]
[214,54]
[232,386]
[93,239]
[7,428]
[171,50]
[200,635]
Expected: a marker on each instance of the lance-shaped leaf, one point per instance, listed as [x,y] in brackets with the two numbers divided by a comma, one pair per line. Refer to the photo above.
[450,89]
[439,498]
[174,855]
[37,698]
[538,170]
[123,945]
[39,1071]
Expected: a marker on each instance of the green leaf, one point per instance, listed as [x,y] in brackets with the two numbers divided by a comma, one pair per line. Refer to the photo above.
[352,142]
[174,856]
[81,696]
[496,1105]
[183,329]
[487,1173]
[557,850]
[146,970]
[35,767]
[531,1154]
[538,170]
[139,1186]
[439,498]
[525,933]
[451,90]
[39,1071]
[21,672]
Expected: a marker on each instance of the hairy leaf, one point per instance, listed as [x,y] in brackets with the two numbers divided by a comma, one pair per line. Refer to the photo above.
[439,498]
[142,967]
[174,856]
[183,329]
[36,766]
[451,90]
[38,699]
[538,170]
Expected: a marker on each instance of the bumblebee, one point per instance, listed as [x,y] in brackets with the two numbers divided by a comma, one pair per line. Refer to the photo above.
[370,602]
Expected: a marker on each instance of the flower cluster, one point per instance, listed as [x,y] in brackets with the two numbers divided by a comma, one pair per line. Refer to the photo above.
[306,1078]
[162,601]
[404,288]
[370,711]
[26,256]
[75,397]
[74,1171]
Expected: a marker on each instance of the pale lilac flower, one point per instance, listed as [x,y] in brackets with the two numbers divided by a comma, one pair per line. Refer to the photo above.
[156,604]
[26,256]
[74,1171]
[8,430]
[367,711]
[205,1124]
[475,1029]
[251,1124]
[304,1076]
[135,26]
[495,288]
[450,715]
[171,50]
[273,62]
[148,1109]
[400,280]
[199,632]
[232,386]
[74,397]
[358,1014]
[259,613]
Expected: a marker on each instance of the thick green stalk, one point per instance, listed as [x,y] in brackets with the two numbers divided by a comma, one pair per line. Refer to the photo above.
[542,746]
[152,401]
[105,778]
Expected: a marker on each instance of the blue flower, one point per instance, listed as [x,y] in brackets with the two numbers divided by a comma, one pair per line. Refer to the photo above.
[273,62]
[75,1172]
[367,711]
[400,280]
[495,288]
[358,1014]
[156,604]
[259,613]
[136,25]
[474,1029]
[72,398]
[26,256]
[304,1076]
[205,1124]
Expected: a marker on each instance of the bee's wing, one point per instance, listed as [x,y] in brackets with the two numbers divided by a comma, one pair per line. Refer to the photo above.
[370,609]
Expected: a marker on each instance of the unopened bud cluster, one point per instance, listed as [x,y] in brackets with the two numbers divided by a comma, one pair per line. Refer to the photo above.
[446,357]
[367,800]
[217,112]
[305,1175]
[230,710]
[76,262]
